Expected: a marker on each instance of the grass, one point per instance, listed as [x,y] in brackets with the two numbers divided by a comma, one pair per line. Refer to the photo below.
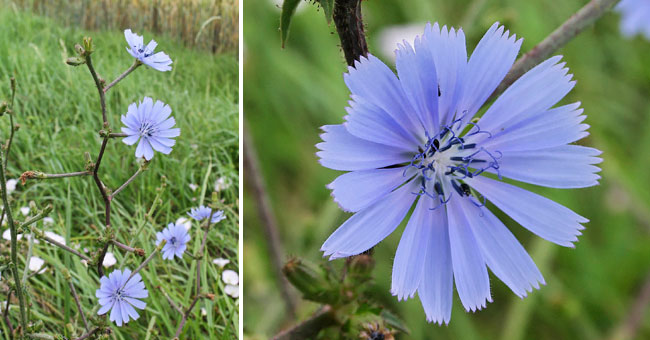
[590,290]
[58,110]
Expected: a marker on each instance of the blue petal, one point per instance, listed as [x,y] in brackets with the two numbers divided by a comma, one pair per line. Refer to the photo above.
[356,190]
[567,166]
[536,91]
[105,308]
[136,303]
[546,129]
[412,251]
[116,314]
[545,218]
[503,254]
[488,65]
[417,74]
[450,57]
[130,140]
[436,285]
[368,121]
[470,272]
[342,151]
[373,81]
[371,225]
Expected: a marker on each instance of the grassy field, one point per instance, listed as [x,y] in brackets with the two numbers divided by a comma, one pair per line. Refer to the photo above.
[58,110]
[592,291]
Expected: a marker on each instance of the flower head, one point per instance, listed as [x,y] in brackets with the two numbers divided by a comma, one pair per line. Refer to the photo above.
[413,140]
[119,296]
[159,61]
[151,124]
[635,17]
[177,237]
[203,212]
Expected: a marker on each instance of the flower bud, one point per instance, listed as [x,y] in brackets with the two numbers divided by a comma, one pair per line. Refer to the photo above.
[75,61]
[311,280]
[3,108]
[88,45]
[361,266]
[79,49]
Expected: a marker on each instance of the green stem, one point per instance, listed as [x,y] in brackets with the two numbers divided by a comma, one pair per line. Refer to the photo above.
[14,244]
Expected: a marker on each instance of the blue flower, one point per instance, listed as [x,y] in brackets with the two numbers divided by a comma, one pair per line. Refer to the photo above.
[635,17]
[151,125]
[415,139]
[202,213]
[159,61]
[177,237]
[119,296]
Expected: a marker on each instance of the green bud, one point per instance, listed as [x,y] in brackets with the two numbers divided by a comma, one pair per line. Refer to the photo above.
[88,45]
[79,49]
[312,281]
[3,108]
[75,61]
[361,267]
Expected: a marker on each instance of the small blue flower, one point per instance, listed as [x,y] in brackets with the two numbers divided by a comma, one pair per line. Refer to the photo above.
[415,139]
[151,125]
[177,237]
[159,61]
[635,17]
[202,213]
[119,296]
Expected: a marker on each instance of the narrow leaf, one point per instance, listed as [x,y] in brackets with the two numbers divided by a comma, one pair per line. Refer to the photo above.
[288,9]
[328,9]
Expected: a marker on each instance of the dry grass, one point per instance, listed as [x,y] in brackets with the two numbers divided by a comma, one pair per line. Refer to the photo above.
[207,24]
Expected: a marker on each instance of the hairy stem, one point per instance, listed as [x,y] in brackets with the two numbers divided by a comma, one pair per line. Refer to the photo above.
[12,128]
[123,246]
[100,88]
[40,175]
[39,234]
[14,244]
[117,135]
[563,34]
[179,329]
[76,300]
[267,219]
[144,263]
[89,334]
[135,65]
[140,169]
[323,318]
[349,25]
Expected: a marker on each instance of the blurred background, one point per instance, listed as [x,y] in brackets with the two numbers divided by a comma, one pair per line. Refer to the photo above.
[57,108]
[599,290]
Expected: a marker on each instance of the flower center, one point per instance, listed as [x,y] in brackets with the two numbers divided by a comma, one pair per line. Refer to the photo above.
[446,159]
[172,240]
[147,129]
[119,294]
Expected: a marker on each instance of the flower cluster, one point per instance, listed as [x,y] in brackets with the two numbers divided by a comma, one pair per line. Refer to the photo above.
[120,294]
[415,140]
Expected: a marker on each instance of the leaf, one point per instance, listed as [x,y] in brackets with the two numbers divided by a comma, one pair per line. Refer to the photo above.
[394,321]
[328,9]
[288,10]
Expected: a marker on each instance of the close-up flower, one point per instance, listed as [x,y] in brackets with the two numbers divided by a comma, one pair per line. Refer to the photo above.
[36,264]
[159,61]
[119,296]
[415,139]
[150,123]
[177,237]
[635,17]
[202,212]
[221,262]
[109,260]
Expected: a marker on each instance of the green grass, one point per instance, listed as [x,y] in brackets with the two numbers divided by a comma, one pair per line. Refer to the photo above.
[291,92]
[58,110]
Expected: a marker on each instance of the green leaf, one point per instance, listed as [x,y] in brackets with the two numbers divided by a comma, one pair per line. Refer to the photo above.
[328,8]
[288,10]
[394,321]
